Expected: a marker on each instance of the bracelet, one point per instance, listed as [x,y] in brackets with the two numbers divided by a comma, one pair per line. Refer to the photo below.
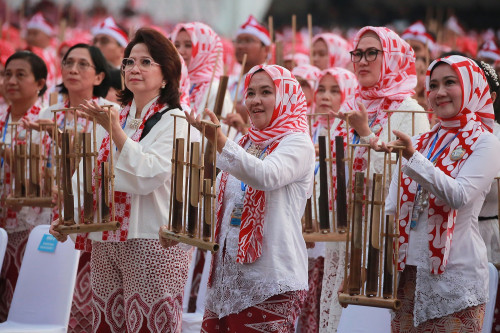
[366,139]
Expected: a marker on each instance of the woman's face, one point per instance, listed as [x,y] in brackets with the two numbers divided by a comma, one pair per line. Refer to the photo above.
[143,80]
[78,72]
[20,83]
[320,55]
[445,91]
[260,99]
[328,96]
[421,72]
[368,72]
[306,88]
[184,46]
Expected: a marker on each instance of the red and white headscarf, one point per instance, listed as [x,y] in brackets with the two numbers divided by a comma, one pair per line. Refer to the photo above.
[347,83]
[289,117]
[206,57]
[110,28]
[311,74]
[475,117]
[184,85]
[397,79]
[254,28]
[417,31]
[338,49]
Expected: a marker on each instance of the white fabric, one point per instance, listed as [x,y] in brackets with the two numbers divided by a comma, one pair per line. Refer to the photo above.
[490,306]
[465,280]
[3,244]
[489,228]
[143,169]
[334,270]
[44,290]
[286,177]
[226,108]
[365,319]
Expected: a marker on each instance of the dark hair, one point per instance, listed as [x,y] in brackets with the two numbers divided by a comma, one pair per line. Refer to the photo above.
[493,83]
[115,78]
[100,64]
[38,67]
[164,53]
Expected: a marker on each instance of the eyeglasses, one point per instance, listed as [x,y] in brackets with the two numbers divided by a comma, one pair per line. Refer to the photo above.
[81,65]
[370,55]
[143,64]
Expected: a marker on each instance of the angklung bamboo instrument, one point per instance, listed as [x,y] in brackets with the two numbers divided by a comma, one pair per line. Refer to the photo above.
[192,204]
[76,147]
[319,222]
[372,240]
[31,167]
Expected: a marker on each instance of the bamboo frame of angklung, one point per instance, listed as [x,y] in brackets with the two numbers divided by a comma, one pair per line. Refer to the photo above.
[314,232]
[185,171]
[65,157]
[31,181]
[356,272]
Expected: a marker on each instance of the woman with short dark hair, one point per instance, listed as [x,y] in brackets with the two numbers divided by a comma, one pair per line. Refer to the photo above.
[130,272]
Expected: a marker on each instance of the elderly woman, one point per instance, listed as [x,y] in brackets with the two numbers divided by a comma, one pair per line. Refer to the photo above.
[24,80]
[384,66]
[262,192]
[446,175]
[130,271]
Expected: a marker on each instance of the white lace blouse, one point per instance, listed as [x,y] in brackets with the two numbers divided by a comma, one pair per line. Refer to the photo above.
[465,280]
[286,177]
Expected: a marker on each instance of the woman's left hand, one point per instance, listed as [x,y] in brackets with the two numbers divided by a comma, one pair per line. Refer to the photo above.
[100,114]
[210,131]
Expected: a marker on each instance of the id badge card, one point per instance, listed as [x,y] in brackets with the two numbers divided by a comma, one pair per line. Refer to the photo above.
[236,215]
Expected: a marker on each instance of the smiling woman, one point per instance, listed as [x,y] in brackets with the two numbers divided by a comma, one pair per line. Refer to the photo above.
[262,192]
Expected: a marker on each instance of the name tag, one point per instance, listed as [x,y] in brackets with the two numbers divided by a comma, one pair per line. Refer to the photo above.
[48,243]
[236,215]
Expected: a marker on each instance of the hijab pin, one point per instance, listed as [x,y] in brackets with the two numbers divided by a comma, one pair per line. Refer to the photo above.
[457,153]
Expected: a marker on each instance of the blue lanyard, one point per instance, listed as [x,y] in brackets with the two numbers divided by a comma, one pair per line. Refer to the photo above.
[5,129]
[243,185]
[192,88]
[356,137]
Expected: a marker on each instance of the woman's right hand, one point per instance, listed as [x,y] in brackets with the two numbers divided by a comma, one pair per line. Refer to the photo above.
[235,120]
[403,140]
[210,131]
[57,235]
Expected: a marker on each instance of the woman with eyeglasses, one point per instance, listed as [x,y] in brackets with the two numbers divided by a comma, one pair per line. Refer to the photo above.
[137,286]
[24,80]
[384,65]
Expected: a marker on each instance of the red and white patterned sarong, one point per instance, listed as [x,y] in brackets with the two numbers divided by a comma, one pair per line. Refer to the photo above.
[469,320]
[80,319]
[276,314]
[138,286]
[309,316]
[10,269]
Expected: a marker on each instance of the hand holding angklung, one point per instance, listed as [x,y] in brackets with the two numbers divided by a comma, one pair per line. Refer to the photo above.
[103,116]
[60,237]
[209,131]
[403,140]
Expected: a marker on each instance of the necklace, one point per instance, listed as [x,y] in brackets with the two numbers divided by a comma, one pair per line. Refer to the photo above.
[135,123]
[255,151]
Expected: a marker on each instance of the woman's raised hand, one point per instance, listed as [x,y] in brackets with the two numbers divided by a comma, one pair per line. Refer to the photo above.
[235,120]
[100,114]
[402,140]
[57,235]
[210,131]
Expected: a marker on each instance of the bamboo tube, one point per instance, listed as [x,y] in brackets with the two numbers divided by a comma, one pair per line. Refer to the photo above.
[279,53]
[92,227]
[271,28]
[204,245]
[310,32]
[323,200]
[322,237]
[178,182]
[374,239]
[341,184]
[354,283]
[194,189]
[393,304]
[388,257]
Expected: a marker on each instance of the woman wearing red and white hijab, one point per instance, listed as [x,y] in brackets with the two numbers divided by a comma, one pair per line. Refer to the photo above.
[334,86]
[202,51]
[266,180]
[330,50]
[307,75]
[384,66]
[446,175]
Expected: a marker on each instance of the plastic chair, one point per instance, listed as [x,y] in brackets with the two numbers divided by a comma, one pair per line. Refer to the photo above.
[3,245]
[490,306]
[364,319]
[191,322]
[44,290]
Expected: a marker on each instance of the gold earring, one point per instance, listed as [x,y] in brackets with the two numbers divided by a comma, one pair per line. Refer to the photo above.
[163,85]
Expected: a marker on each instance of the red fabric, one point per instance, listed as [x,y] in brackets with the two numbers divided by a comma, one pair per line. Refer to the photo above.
[80,319]
[121,199]
[276,314]
[310,312]
[338,49]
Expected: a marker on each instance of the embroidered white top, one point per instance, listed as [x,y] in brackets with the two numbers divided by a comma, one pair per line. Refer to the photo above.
[143,169]
[286,176]
[465,280]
